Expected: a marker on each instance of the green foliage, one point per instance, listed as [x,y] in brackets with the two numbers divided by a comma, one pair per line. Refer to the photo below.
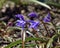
[53,4]
[42,4]
[52,40]
[57,47]
[27,39]
[32,1]
[2,2]
[34,39]
[16,1]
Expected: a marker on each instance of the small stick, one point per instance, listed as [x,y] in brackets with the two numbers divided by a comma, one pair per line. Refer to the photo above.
[45,27]
[23,39]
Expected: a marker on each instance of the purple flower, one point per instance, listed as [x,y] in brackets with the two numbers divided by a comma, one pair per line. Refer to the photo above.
[47,18]
[20,23]
[33,14]
[33,24]
[20,16]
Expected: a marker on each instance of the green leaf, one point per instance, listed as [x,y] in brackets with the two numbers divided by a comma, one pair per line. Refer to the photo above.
[14,43]
[42,4]
[30,34]
[57,47]
[58,27]
[2,3]
[29,45]
[53,4]
[3,23]
[52,40]
[27,39]
[31,1]
[16,1]
[13,28]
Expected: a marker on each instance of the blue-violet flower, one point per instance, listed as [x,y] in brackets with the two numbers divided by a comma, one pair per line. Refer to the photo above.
[33,24]
[33,14]
[20,23]
[47,18]
[20,16]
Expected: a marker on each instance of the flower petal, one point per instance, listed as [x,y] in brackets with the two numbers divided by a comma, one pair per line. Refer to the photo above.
[20,16]
[47,18]
[33,14]
[20,23]
[34,25]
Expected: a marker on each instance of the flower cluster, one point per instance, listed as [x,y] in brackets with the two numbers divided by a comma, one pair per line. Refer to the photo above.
[21,22]
[33,24]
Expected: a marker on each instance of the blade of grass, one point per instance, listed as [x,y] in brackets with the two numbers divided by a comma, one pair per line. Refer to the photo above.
[23,39]
[27,39]
[42,4]
[52,40]
[53,4]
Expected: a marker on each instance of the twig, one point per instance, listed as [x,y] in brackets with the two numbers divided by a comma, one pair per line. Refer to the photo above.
[44,26]
[23,39]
